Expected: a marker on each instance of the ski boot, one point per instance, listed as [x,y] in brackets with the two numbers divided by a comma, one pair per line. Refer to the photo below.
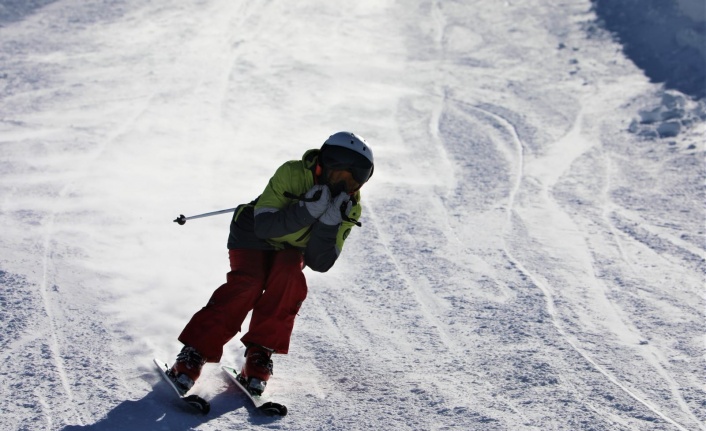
[187,369]
[257,369]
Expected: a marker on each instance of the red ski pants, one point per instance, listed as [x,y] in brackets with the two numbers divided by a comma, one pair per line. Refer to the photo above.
[270,283]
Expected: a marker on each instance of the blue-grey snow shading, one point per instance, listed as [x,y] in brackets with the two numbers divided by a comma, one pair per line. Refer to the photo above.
[665,38]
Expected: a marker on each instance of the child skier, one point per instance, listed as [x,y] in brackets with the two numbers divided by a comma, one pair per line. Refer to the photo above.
[302,218]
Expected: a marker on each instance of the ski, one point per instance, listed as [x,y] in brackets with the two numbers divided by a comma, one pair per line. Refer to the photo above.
[261,402]
[195,401]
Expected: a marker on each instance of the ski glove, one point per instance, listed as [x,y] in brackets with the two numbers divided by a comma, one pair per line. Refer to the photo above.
[316,200]
[338,206]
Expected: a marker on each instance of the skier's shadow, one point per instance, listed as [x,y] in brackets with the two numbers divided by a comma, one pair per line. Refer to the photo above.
[161,410]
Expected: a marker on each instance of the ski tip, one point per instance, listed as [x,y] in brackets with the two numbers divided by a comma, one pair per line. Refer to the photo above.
[198,403]
[273,409]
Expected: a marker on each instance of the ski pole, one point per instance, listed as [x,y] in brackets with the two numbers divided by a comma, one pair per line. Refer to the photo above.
[181,219]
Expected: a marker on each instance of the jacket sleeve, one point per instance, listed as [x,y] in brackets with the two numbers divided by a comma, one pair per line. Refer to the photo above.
[322,251]
[326,242]
[274,224]
[325,245]
[276,214]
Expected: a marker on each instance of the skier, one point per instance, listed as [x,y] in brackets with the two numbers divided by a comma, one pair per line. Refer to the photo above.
[302,218]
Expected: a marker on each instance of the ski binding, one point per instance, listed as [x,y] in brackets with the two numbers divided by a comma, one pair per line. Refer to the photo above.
[195,401]
[261,402]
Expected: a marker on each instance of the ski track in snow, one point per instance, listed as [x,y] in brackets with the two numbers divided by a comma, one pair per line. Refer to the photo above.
[57,341]
[524,264]
[574,133]
[54,336]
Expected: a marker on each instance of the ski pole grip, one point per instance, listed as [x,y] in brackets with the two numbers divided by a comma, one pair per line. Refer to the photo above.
[181,219]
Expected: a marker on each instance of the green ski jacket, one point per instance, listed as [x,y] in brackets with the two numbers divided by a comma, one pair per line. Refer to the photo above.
[277,219]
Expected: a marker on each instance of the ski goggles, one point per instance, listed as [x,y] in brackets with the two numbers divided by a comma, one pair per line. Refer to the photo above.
[343,159]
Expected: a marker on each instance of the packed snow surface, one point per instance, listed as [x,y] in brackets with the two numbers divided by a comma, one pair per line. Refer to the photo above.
[532,248]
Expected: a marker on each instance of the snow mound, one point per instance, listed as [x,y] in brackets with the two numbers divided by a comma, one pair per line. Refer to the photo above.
[674,114]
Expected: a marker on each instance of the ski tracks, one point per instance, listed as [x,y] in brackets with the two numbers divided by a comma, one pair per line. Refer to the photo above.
[545,175]
[53,260]
[66,356]
[550,178]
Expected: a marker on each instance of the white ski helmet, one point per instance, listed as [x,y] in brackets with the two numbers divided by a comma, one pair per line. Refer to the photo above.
[348,151]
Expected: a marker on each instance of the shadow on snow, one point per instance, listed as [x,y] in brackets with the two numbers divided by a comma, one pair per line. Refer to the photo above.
[665,39]
[160,409]
[16,10]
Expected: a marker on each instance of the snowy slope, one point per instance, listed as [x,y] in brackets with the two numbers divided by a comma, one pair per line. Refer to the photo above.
[525,262]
